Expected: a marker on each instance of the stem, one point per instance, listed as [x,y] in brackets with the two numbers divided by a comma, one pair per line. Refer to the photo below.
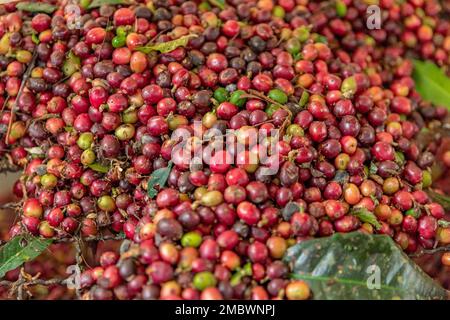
[92,238]
[79,260]
[4,104]
[9,205]
[430,251]
[44,282]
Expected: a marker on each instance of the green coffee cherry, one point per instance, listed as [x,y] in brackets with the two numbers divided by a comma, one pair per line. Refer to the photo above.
[191,239]
[271,109]
[203,280]
[48,181]
[278,12]
[301,33]
[204,6]
[295,130]
[24,56]
[176,120]
[118,41]
[121,31]
[427,180]
[130,117]
[125,132]
[278,95]
[106,203]
[85,140]
[209,119]
[88,157]
[85,3]
[341,8]
[236,98]
[348,86]
[212,198]
[221,94]
[293,46]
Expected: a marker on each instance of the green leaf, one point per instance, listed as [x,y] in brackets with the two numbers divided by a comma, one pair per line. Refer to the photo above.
[304,98]
[366,216]
[236,278]
[158,178]
[359,266]
[71,65]
[36,7]
[168,46]
[431,82]
[297,56]
[35,38]
[247,269]
[320,38]
[218,3]
[373,169]
[374,199]
[99,3]
[399,158]
[443,200]
[341,8]
[99,167]
[14,253]
[35,151]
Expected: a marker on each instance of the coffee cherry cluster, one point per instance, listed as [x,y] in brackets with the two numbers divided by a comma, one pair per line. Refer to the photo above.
[207,269]
[96,116]
[417,27]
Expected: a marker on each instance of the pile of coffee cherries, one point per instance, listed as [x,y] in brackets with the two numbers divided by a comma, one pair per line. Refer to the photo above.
[93,103]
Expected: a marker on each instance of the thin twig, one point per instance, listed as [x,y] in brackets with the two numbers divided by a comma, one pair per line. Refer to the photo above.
[36,282]
[20,283]
[25,281]
[9,205]
[87,239]
[4,103]
[430,251]
[91,238]
[79,260]
[8,167]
